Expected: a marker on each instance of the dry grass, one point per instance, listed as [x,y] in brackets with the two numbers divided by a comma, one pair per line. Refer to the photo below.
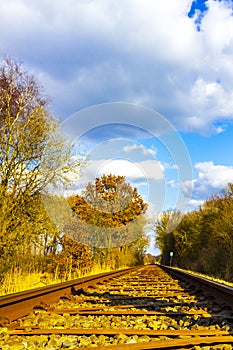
[17,280]
[211,278]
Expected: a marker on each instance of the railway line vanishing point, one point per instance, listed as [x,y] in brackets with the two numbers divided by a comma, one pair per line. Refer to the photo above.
[146,307]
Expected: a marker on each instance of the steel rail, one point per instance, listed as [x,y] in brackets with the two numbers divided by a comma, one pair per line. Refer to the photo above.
[17,305]
[221,291]
[20,304]
[107,331]
[168,344]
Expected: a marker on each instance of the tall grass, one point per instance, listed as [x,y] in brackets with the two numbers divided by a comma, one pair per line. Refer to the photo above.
[17,280]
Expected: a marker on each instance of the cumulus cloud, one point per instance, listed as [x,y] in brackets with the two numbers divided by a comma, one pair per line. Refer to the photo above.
[135,172]
[147,176]
[195,204]
[139,148]
[210,179]
[90,52]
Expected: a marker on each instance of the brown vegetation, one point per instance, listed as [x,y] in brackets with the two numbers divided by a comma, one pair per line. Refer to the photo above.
[35,157]
[203,240]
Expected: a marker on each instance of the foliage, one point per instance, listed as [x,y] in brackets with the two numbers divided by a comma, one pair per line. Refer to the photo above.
[34,155]
[109,214]
[73,257]
[110,202]
[203,240]
[150,259]
[165,234]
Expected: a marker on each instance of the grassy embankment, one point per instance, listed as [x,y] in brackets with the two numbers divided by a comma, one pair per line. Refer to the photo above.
[17,280]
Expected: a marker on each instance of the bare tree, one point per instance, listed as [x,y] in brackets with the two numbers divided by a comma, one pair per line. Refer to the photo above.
[34,154]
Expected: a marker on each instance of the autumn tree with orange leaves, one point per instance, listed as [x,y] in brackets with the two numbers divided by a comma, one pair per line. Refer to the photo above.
[110,202]
[110,214]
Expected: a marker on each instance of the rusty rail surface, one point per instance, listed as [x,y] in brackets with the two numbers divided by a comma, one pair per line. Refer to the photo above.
[167,308]
[221,291]
[14,306]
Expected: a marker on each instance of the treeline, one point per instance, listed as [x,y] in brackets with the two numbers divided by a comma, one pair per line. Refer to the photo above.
[35,158]
[203,239]
[105,227]
[35,244]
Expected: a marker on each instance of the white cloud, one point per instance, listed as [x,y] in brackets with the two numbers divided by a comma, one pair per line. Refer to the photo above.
[195,204]
[90,52]
[186,187]
[209,100]
[152,212]
[219,129]
[218,26]
[133,171]
[217,175]
[139,148]
[210,179]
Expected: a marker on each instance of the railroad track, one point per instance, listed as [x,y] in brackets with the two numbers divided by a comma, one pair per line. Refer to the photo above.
[148,307]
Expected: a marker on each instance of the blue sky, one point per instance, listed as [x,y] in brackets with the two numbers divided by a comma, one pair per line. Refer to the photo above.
[174,57]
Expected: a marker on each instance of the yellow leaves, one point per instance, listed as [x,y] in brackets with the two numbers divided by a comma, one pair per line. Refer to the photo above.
[110,202]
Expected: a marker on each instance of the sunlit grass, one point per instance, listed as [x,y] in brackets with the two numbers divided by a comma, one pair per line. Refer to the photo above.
[18,280]
[211,278]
